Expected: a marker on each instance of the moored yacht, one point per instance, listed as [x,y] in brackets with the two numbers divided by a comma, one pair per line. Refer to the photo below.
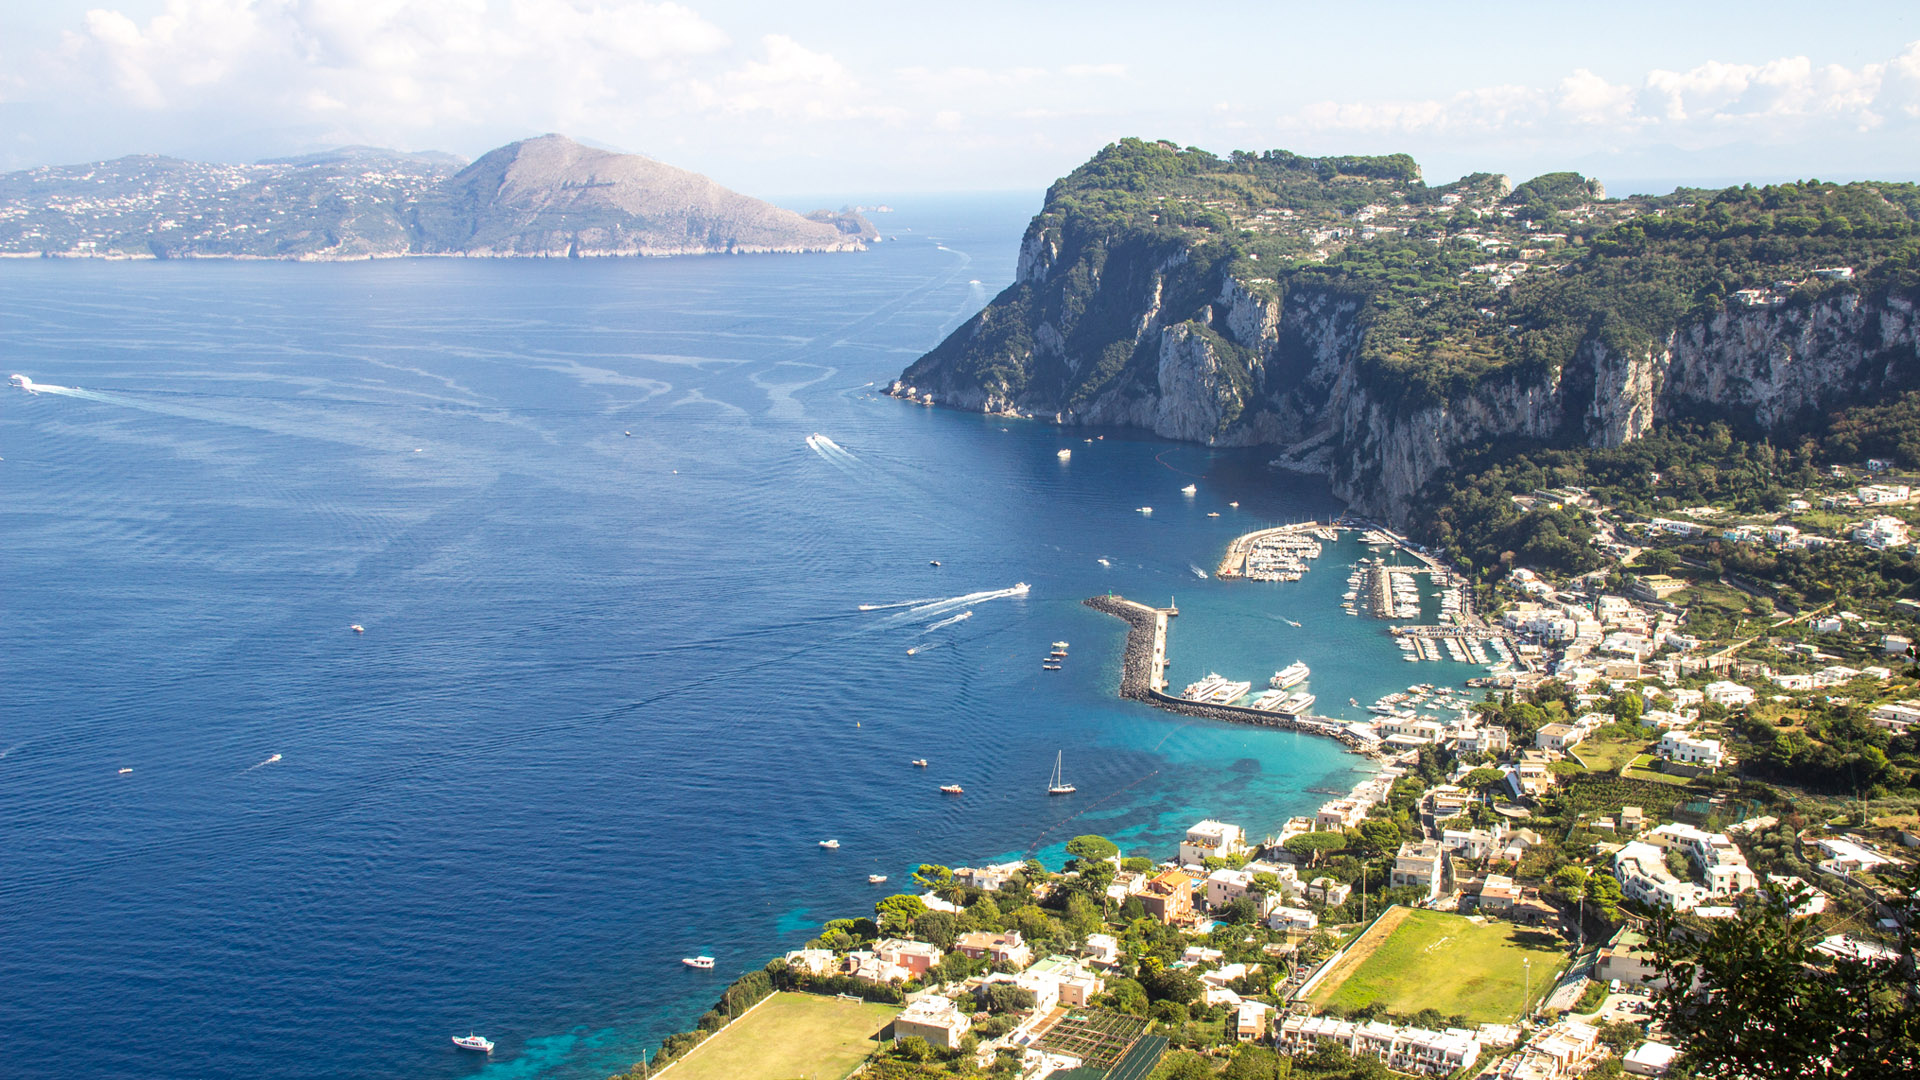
[1058,785]
[702,963]
[952,789]
[1292,675]
[470,1041]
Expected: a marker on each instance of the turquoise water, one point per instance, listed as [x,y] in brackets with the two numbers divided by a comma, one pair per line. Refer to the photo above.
[613,687]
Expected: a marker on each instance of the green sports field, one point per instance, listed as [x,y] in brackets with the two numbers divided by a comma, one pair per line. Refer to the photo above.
[789,1036]
[1413,959]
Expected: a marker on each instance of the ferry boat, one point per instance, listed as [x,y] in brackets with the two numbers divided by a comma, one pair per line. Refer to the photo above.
[470,1041]
[952,789]
[701,963]
[1292,675]
[1057,784]
[1298,703]
[1216,689]
[830,845]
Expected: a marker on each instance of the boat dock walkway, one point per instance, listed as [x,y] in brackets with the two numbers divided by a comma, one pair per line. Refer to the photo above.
[1233,564]
[1143,677]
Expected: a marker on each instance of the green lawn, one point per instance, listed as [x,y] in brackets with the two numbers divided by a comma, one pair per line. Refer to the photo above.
[1606,753]
[1414,959]
[789,1036]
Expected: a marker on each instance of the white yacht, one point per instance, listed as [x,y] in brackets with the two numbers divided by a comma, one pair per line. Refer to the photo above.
[1058,785]
[1292,675]
[1189,489]
[470,1041]
[876,879]
[703,963]
[1065,455]
[830,845]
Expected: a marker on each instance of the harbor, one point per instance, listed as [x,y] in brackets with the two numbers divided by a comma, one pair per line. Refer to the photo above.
[1143,678]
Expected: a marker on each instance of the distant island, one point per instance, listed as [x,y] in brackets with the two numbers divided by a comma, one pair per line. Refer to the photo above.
[545,197]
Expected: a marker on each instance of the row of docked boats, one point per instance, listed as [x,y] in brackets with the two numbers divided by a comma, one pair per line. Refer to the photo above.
[1055,658]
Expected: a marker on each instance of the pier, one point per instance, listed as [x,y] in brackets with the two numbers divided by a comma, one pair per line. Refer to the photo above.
[1234,563]
[1143,677]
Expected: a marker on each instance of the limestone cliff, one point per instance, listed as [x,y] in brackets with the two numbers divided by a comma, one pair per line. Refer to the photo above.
[1133,324]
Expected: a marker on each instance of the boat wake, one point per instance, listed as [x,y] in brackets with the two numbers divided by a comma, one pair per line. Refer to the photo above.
[832,452]
[264,764]
[962,617]
[898,604]
[915,610]
[1197,572]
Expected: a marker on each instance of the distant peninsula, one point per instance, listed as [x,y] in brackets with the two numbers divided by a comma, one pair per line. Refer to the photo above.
[542,197]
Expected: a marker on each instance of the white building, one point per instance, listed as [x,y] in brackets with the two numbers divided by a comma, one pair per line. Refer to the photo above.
[1403,1049]
[1882,532]
[1729,694]
[1679,746]
[1897,716]
[1421,865]
[1718,860]
[1641,869]
[1212,840]
[935,1019]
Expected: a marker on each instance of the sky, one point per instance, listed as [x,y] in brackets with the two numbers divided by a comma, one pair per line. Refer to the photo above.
[780,97]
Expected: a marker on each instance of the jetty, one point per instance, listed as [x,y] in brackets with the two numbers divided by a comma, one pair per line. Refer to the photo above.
[1143,677]
[1234,562]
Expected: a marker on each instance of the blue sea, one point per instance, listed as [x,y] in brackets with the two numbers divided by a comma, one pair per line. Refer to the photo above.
[635,640]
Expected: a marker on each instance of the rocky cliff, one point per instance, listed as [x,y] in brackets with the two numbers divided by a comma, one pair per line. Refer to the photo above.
[1182,335]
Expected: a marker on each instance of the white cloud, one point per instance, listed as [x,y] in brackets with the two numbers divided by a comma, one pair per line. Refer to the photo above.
[1713,103]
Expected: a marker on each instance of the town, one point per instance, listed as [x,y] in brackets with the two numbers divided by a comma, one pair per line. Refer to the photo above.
[1486,903]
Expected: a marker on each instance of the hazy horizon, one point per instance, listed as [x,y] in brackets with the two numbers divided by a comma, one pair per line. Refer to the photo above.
[861,96]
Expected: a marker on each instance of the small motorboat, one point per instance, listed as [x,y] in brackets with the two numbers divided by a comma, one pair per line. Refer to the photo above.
[1213,513]
[628,434]
[1189,489]
[357,628]
[1060,645]
[913,651]
[1144,510]
[830,845]
[876,879]
[124,772]
[933,562]
[1235,505]
[952,789]
[470,1041]
[920,762]
[701,963]
[1065,455]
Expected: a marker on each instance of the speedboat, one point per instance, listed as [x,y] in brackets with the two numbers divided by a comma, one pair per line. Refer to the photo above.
[920,762]
[1189,489]
[933,562]
[703,963]
[470,1041]
[830,845]
[357,628]
[876,879]
[1059,644]
[1145,510]
[1065,455]
[952,789]
[1235,505]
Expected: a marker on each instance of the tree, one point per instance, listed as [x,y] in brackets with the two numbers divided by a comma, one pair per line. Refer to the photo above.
[937,927]
[933,876]
[896,913]
[1241,911]
[1768,1007]
[1091,848]
[1125,995]
[914,1048]
[1310,846]
[1004,997]
[1627,708]
[1604,894]
[1379,836]
[1483,780]
[1171,984]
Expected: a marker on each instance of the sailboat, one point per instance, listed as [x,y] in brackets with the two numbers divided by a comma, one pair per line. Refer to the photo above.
[1058,785]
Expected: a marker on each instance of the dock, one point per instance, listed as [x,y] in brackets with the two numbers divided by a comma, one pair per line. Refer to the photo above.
[1143,677]
[1234,563]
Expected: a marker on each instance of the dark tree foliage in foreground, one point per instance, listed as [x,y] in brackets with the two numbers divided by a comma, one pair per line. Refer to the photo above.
[1750,999]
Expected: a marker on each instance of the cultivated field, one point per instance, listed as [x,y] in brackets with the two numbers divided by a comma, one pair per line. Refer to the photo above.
[1414,959]
[789,1036]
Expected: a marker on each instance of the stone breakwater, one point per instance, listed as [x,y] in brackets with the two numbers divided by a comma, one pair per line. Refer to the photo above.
[1138,678]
